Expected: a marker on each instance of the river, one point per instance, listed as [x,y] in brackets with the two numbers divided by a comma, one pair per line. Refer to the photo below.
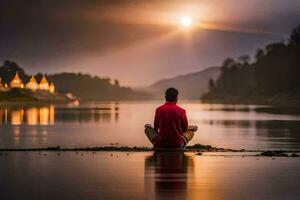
[121,123]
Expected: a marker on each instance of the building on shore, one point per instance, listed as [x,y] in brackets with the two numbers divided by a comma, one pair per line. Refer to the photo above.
[52,88]
[44,85]
[16,82]
[32,84]
[3,86]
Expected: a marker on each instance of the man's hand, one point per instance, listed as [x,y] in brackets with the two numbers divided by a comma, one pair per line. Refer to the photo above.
[148,126]
[192,128]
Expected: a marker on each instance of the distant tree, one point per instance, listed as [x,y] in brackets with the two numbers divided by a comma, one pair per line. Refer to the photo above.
[276,71]
[39,76]
[259,54]
[273,47]
[295,36]
[107,80]
[228,63]
[116,83]
[211,84]
[9,69]
[6,63]
[244,59]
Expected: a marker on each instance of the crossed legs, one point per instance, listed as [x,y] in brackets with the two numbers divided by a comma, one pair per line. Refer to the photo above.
[152,135]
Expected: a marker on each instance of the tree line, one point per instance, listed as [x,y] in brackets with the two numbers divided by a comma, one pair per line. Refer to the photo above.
[274,71]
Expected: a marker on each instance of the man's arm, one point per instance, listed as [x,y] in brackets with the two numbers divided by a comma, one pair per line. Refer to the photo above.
[156,121]
[184,123]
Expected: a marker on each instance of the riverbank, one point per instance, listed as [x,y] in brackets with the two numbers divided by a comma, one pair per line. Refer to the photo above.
[197,148]
[23,96]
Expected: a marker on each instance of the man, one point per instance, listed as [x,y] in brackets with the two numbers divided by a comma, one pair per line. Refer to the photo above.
[171,128]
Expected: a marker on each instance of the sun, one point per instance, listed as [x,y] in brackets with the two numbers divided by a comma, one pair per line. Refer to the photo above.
[186,21]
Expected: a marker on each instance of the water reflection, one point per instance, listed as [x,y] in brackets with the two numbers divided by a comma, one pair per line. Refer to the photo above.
[49,114]
[103,123]
[167,174]
[43,115]
[273,131]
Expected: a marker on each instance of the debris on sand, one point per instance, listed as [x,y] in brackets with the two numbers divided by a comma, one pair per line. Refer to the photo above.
[197,148]
[209,148]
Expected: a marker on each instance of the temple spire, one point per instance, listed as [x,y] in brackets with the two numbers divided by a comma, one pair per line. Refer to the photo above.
[44,84]
[16,82]
[32,84]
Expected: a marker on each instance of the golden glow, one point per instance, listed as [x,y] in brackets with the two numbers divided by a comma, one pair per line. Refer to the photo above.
[31,116]
[32,84]
[44,115]
[186,21]
[17,135]
[44,85]
[52,88]
[17,82]
[16,117]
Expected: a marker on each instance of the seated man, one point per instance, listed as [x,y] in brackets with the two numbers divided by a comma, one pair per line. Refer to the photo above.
[171,128]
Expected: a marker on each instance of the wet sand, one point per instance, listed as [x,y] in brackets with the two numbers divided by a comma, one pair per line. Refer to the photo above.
[147,175]
[199,149]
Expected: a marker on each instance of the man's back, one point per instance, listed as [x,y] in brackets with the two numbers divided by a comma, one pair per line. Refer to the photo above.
[170,122]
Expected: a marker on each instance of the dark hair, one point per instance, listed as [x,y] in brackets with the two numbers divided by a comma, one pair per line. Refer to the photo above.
[171,94]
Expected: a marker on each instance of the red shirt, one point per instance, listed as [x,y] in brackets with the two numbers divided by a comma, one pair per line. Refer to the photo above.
[170,122]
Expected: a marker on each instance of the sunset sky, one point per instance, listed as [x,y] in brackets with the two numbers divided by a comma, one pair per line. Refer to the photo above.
[138,41]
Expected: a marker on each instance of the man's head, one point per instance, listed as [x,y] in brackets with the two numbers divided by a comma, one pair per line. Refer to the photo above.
[171,95]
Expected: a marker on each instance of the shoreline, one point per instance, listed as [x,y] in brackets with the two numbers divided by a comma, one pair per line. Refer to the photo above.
[263,100]
[198,149]
[225,101]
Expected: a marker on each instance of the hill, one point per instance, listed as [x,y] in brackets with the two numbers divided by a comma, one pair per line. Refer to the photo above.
[88,87]
[83,86]
[191,86]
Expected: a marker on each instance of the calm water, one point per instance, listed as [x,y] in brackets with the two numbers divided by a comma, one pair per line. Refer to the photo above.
[145,175]
[97,124]
[175,175]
